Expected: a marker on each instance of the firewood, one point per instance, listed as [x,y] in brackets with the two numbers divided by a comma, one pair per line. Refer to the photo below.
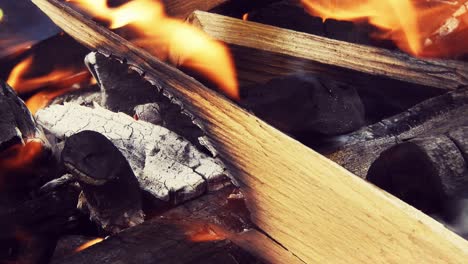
[308,103]
[166,165]
[431,117]
[111,192]
[269,51]
[314,208]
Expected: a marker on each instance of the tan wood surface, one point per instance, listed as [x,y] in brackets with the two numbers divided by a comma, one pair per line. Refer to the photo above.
[314,208]
[183,8]
[264,51]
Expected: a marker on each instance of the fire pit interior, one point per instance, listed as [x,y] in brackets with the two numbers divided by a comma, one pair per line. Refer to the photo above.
[233,131]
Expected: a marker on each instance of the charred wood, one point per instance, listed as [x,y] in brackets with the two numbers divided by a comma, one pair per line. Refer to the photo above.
[111,192]
[306,103]
[166,165]
[432,117]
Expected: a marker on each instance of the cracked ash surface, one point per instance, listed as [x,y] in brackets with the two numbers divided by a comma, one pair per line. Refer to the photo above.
[164,163]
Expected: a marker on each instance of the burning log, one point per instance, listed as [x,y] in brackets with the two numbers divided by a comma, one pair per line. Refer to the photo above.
[273,55]
[428,173]
[166,165]
[111,192]
[431,117]
[287,186]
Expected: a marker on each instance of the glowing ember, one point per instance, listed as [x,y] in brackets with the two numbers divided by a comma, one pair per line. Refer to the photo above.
[245,17]
[89,244]
[170,39]
[204,232]
[414,25]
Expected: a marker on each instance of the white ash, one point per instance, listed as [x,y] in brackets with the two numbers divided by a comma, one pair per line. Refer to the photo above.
[166,165]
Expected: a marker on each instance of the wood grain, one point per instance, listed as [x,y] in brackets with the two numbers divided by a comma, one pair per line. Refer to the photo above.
[314,208]
[183,8]
[264,51]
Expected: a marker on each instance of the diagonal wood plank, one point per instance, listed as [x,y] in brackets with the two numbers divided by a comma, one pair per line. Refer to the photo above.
[311,206]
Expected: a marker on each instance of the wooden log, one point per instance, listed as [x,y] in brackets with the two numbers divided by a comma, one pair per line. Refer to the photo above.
[316,209]
[264,51]
[431,117]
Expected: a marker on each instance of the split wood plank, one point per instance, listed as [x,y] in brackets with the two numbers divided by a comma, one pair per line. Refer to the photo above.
[311,206]
[263,52]
[183,8]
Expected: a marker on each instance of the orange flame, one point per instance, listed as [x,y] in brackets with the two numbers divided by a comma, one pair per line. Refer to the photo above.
[20,156]
[245,17]
[169,38]
[89,244]
[57,82]
[414,25]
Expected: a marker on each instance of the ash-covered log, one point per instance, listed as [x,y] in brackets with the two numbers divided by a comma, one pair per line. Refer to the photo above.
[111,193]
[166,165]
[431,117]
[306,103]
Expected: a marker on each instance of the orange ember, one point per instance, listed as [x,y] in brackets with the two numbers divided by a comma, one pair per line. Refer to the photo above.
[170,39]
[89,244]
[204,232]
[419,27]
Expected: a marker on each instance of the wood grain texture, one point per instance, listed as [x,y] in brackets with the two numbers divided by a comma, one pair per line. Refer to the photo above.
[314,208]
[183,8]
[263,51]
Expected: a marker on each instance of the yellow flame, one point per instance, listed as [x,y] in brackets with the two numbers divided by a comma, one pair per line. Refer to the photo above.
[1,15]
[170,39]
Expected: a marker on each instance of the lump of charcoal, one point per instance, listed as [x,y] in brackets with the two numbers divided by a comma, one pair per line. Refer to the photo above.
[299,103]
[16,122]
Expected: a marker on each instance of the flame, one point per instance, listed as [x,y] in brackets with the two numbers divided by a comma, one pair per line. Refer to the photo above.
[416,26]
[57,82]
[170,39]
[1,15]
[89,244]
[245,17]
[20,156]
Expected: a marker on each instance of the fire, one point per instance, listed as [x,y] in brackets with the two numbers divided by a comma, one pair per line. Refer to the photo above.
[1,15]
[170,39]
[416,26]
[245,17]
[89,244]
[57,82]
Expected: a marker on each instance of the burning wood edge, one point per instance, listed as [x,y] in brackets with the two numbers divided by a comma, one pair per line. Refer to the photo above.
[435,116]
[263,51]
[165,164]
[311,206]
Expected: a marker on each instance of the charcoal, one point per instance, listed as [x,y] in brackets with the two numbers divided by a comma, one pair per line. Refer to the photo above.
[166,165]
[123,90]
[68,245]
[111,192]
[16,122]
[306,103]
